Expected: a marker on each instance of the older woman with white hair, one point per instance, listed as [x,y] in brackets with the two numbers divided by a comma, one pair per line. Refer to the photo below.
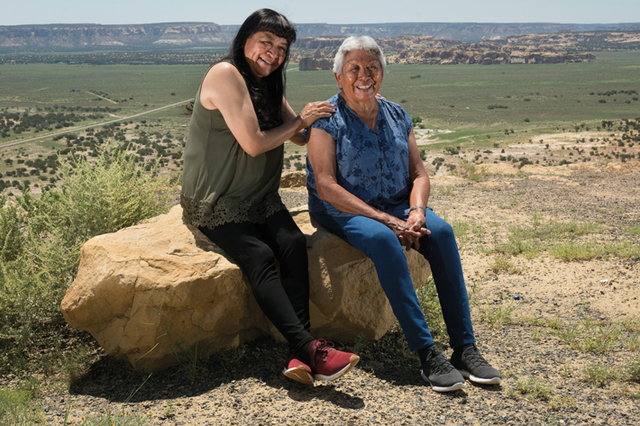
[367,184]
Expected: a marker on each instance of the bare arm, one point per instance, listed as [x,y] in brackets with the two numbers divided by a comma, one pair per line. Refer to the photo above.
[224,89]
[288,114]
[421,187]
[418,175]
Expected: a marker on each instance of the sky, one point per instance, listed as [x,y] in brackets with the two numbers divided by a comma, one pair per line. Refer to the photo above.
[233,12]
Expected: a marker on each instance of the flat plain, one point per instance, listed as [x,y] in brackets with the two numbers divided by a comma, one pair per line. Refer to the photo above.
[536,166]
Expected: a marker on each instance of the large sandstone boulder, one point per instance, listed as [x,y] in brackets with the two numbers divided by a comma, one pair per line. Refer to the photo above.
[158,291]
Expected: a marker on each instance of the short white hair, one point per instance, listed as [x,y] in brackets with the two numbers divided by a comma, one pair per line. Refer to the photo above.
[353,43]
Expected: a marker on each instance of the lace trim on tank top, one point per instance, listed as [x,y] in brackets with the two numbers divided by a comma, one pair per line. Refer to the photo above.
[226,210]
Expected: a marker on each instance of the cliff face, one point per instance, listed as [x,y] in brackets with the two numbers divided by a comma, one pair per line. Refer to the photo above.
[467,32]
[88,37]
[488,54]
[516,49]
[39,38]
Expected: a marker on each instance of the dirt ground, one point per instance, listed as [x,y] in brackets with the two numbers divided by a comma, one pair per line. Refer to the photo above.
[543,374]
[607,195]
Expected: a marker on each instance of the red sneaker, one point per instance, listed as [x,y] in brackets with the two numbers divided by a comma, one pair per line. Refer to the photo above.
[328,363]
[297,370]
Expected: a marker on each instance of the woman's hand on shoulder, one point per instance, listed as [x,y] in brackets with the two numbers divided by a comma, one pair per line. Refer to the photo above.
[315,110]
[310,113]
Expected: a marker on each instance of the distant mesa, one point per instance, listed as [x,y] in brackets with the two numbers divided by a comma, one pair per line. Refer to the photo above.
[68,38]
[311,64]
[88,37]
[520,49]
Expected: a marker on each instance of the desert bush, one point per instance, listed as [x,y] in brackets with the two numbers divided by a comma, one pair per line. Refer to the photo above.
[40,248]
[599,374]
[503,264]
[17,408]
[534,387]
[633,370]
[470,171]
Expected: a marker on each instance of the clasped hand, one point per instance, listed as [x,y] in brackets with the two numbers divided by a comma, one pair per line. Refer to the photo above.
[410,231]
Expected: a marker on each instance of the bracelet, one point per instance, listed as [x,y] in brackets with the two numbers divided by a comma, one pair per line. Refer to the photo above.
[416,208]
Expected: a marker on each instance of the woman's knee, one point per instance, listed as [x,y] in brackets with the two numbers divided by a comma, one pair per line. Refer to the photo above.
[293,240]
[384,236]
[379,242]
[440,229]
[257,260]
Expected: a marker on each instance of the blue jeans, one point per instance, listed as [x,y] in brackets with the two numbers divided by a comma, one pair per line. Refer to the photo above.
[381,245]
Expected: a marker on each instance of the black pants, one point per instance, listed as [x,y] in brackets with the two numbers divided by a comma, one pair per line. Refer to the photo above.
[283,298]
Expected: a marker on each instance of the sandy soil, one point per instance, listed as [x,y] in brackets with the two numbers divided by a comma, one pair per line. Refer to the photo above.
[246,387]
[607,195]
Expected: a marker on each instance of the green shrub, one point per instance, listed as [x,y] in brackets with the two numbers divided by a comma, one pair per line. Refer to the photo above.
[17,409]
[470,171]
[40,249]
[534,388]
[633,370]
[599,374]
[115,419]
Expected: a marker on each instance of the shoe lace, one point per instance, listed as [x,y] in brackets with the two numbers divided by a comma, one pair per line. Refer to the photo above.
[438,364]
[323,349]
[473,359]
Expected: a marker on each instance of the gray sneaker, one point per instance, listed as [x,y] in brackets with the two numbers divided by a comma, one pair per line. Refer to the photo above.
[473,366]
[439,372]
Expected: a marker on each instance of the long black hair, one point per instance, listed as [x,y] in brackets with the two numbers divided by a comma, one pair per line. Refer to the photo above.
[266,97]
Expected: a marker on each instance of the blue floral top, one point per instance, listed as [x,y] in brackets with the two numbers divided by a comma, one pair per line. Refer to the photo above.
[373,166]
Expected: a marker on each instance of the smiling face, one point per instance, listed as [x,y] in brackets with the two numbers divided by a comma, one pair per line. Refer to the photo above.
[361,76]
[265,52]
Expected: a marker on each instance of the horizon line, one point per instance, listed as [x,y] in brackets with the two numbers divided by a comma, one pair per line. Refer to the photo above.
[326,23]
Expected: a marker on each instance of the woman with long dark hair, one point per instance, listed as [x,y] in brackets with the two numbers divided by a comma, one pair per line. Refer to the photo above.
[232,167]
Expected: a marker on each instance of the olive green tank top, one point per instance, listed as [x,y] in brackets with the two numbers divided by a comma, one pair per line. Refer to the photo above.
[221,183]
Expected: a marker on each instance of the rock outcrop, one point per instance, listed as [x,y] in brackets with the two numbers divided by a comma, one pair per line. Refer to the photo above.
[86,37]
[431,50]
[159,291]
[311,64]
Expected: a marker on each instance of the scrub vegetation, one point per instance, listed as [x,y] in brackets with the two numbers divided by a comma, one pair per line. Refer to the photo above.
[584,111]
[84,178]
